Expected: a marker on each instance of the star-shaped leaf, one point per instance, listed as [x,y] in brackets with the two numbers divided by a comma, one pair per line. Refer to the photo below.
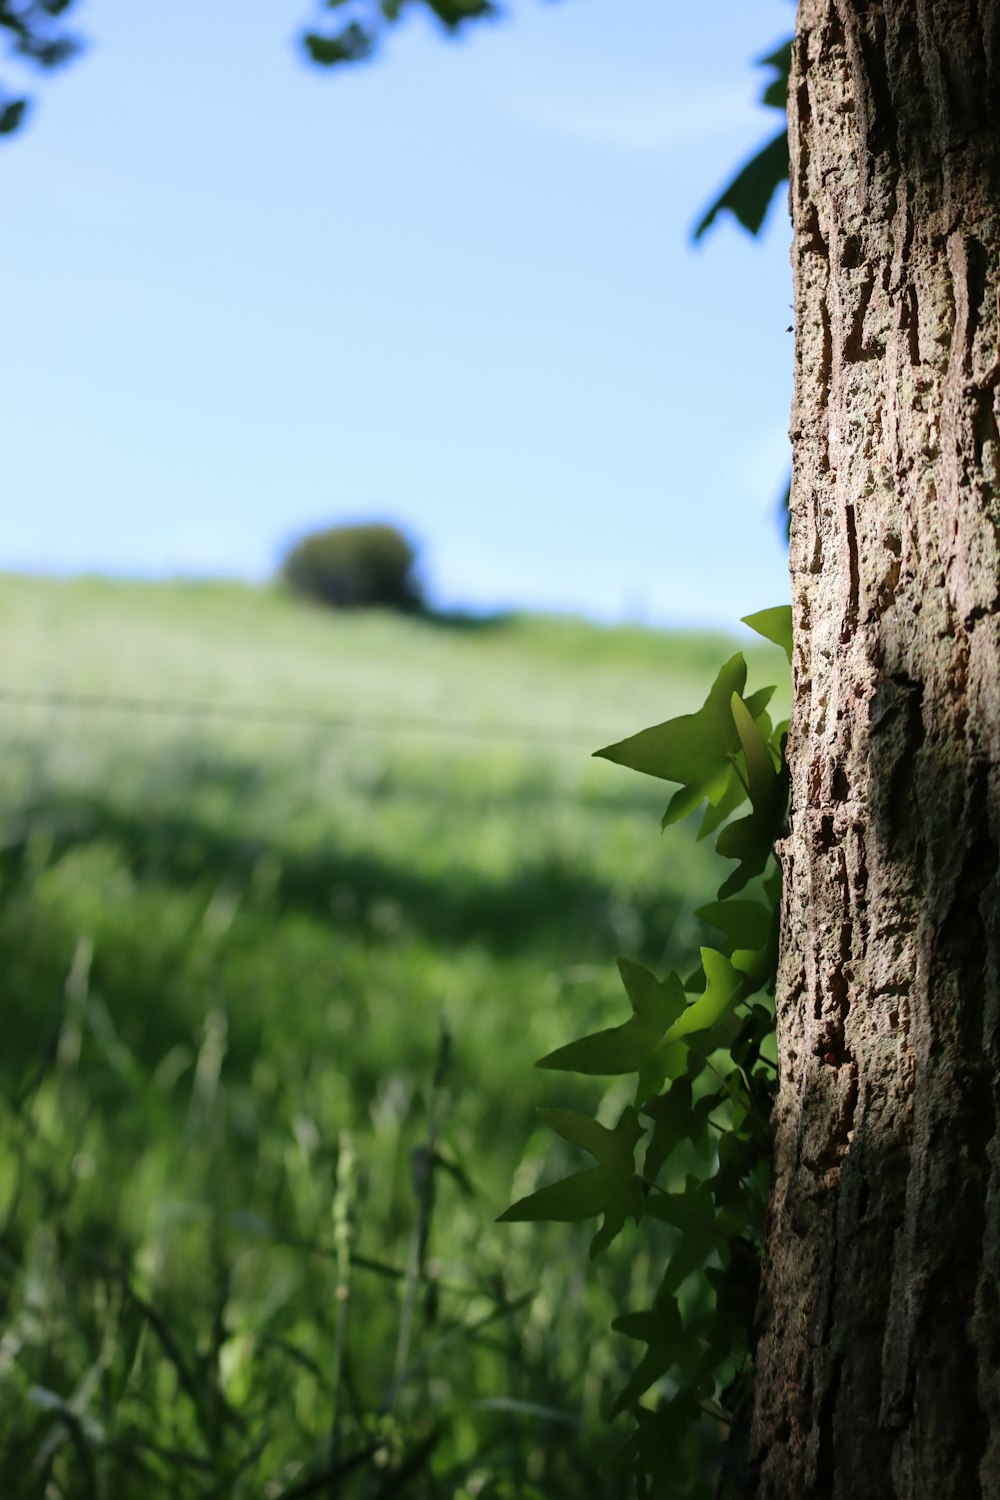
[745,923]
[676,1118]
[661,1331]
[774,625]
[722,985]
[656,1005]
[692,749]
[750,840]
[612,1188]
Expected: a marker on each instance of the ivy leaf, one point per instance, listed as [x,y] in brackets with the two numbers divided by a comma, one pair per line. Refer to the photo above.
[774,625]
[11,115]
[776,93]
[693,749]
[355,41]
[737,1285]
[748,196]
[650,1044]
[612,1188]
[675,1118]
[351,45]
[722,984]
[692,1213]
[761,773]
[750,840]
[759,962]
[737,1156]
[655,1004]
[736,794]
[745,923]
[660,1329]
[654,1445]
[746,841]
[580,1196]
[614,1149]
[726,754]
[733,797]
[758,701]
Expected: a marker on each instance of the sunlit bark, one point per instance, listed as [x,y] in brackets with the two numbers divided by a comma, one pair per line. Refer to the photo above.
[879,1322]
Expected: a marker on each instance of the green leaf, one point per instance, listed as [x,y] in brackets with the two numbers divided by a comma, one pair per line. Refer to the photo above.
[353,44]
[735,793]
[624,1203]
[704,1034]
[612,1188]
[721,988]
[454,13]
[748,196]
[776,93]
[733,797]
[737,1285]
[692,1214]
[758,701]
[693,749]
[656,1005]
[676,1118]
[750,840]
[661,1330]
[11,115]
[755,964]
[759,960]
[656,1441]
[745,923]
[611,1148]
[737,1156]
[581,1196]
[774,625]
[761,774]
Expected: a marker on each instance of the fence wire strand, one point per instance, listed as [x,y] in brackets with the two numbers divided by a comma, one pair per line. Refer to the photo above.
[298,718]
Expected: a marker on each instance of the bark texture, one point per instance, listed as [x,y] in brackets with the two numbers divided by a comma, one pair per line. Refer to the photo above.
[879,1323]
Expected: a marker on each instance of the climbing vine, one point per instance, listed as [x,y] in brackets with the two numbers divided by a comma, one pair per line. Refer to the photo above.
[690,1153]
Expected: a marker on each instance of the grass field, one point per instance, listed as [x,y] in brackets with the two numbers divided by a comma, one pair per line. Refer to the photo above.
[246,1194]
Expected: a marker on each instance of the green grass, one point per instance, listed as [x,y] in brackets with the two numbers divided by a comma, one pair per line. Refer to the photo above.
[235,912]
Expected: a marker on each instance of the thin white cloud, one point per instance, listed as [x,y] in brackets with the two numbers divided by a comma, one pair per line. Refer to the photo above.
[650,120]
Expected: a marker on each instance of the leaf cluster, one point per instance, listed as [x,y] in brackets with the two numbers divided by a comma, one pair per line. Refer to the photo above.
[35,33]
[354,31]
[748,196]
[689,1155]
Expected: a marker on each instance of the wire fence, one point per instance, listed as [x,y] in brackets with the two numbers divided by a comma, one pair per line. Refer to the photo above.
[302,718]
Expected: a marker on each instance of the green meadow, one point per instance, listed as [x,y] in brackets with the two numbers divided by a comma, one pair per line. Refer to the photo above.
[290,903]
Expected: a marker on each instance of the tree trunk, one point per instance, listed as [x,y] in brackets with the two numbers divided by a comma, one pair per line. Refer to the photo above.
[879,1321]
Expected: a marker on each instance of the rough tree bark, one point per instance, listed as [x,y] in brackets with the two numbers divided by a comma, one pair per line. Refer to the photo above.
[879,1322]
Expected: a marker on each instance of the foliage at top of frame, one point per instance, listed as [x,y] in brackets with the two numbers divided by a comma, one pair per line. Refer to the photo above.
[360,28]
[748,196]
[701,1048]
[35,34]
[353,31]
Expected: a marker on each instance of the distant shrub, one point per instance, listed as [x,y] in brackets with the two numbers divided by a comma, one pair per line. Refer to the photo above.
[352,567]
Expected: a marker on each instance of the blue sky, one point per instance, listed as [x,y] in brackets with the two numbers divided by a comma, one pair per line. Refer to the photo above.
[453,288]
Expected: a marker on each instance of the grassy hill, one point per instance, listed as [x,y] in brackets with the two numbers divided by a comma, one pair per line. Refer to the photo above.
[253,857]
